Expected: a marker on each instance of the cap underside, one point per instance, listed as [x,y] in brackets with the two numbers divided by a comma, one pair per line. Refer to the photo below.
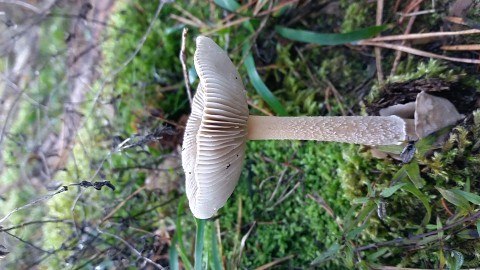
[214,140]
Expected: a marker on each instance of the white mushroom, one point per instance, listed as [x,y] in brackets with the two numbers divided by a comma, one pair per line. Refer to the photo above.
[406,111]
[425,115]
[219,125]
[434,113]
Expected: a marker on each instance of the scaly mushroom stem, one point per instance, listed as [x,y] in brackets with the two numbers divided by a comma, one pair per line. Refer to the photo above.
[366,130]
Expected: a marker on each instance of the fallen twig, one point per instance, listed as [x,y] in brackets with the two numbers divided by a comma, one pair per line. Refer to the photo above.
[461,47]
[243,241]
[140,256]
[41,199]
[122,203]
[420,36]
[378,50]
[398,54]
[275,262]
[418,52]
[183,60]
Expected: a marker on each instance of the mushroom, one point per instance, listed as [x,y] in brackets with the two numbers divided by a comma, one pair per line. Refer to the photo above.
[220,124]
[434,113]
[426,114]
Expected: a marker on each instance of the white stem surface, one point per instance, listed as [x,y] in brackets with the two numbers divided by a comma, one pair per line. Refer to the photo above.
[366,130]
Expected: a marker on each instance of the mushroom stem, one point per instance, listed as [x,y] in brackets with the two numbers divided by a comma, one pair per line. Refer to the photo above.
[366,130]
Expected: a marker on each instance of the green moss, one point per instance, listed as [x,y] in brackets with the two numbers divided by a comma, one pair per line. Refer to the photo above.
[454,166]
[356,16]
[297,225]
[155,66]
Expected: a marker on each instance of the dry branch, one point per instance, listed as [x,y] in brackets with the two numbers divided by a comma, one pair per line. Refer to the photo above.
[418,52]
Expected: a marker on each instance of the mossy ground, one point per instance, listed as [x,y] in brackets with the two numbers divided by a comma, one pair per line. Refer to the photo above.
[282,182]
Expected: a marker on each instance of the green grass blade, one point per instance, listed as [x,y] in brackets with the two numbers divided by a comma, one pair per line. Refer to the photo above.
[353,234]
[471,197]
[216,261]
[230,5]
[390,190]
[173,255]
[178,238]
[423,198]
[327,255]
[454,198]
[183,255]
[426,144]
[413,171]
[329,38]
[477,224]
[439,227]
[455,260]
[199,243]
[259,85]
[380,252]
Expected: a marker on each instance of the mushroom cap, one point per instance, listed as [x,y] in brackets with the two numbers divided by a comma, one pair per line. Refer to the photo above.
[431,113]
[216,131]
[405,111]
[434,113]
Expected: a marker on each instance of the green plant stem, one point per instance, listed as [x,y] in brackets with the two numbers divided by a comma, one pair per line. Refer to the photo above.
[199,243]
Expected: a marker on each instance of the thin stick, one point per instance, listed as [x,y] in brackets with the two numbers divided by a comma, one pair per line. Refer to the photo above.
[237,12]
[132,249]
[338,97]
[413,6]
[179,126]
[415,13]
[22,4]
[219,239]
[401,268]
[227,25]
[243,241]
[276,8]
[35,222]
[190,15]
[28,243]
[264,111]
[9,115]
[121,204]
[183,60]
[253,37]
[237,231]
[284,197]
[419,52]
[422,35]
[462,47]
[445,206]
[275,262]
[258,7]
[456,20]
[41,199]
[279,182]
[378,51]
[185,20]
[398,55]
